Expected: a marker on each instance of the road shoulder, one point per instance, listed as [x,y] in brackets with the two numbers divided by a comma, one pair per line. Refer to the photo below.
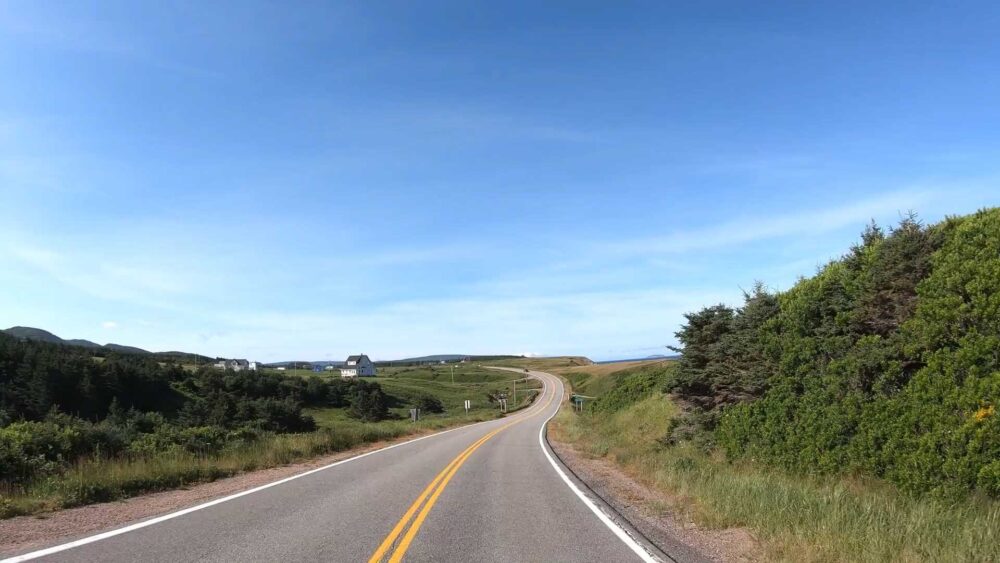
[647,511]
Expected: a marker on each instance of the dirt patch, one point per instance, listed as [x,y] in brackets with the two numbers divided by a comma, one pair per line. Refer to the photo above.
[25,533]
[648,510]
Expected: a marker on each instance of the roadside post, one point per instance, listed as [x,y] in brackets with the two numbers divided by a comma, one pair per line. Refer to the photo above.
[414,415]
[577,401]
[468,405]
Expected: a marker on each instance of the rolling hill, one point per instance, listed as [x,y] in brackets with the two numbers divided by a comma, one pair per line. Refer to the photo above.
[40,335]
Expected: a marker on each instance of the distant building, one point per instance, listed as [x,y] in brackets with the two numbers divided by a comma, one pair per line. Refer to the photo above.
[235,365]
[358,366]
[317,369]
[281,368]
[254,366]
[330,367]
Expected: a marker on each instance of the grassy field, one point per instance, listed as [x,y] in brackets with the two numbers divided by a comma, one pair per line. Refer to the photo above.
[545,364]
[452,385]
[102,479]
[597,379]
[584,376]
[797,518]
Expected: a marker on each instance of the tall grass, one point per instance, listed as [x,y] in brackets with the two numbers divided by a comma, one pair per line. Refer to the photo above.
[798,518]
[102,479]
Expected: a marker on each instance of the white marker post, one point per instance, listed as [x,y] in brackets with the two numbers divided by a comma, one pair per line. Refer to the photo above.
[468,405]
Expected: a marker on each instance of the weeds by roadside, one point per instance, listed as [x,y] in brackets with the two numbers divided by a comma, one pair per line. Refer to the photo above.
[100,479]
[798,518]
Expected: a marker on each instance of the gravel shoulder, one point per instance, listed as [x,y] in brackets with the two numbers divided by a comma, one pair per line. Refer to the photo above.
[650,512]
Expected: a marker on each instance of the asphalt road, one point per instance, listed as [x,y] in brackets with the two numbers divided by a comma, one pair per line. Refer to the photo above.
[486,492]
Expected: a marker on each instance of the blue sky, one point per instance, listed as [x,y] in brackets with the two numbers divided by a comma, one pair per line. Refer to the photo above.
[405,178]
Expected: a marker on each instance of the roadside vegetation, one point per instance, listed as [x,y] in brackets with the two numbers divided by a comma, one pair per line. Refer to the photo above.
[797,517]
[851,417]
[75,431]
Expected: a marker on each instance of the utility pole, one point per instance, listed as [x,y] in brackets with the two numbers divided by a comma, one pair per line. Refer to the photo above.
[452,375]
[515,392]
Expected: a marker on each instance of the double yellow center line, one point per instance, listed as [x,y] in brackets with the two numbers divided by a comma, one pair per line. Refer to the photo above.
[430,495]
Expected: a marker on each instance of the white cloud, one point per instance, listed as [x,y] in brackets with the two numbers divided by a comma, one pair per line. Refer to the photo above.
[115,282]
[810,222]
[109,325]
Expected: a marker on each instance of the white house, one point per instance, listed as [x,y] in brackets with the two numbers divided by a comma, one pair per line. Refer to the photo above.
[254,366]
[358,366]
[235,365]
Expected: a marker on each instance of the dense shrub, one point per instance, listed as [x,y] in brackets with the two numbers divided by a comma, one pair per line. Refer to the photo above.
[635,384]
[428,404]
[34,449]
[886,362]
[368,402]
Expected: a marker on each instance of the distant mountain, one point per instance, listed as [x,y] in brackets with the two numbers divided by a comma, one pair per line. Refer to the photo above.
[40,335]
[34,334]
[83,343]
[122,349]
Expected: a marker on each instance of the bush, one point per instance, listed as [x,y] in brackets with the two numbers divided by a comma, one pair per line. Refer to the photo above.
[30,450]
[885,363]
[634,385]
[368,402]
[428,404]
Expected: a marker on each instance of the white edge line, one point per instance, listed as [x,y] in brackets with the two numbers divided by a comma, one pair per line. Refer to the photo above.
[611,524]
[172,515]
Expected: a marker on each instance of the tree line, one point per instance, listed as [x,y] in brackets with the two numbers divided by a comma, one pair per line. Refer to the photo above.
[60,403]
[886,362]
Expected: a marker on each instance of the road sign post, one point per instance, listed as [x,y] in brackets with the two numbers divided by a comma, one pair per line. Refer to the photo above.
[468,405]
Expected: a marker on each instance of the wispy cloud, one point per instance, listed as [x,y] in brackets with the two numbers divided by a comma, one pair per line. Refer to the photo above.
[114,282]
[81,34]
[813,222]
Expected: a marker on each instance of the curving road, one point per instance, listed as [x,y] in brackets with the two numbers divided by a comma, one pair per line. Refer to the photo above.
[486,492]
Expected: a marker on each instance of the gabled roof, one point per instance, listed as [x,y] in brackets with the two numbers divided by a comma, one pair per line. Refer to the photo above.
[356,358]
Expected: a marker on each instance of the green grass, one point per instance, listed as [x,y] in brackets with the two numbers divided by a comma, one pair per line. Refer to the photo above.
[103,479]
[798,518]
[470,382]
